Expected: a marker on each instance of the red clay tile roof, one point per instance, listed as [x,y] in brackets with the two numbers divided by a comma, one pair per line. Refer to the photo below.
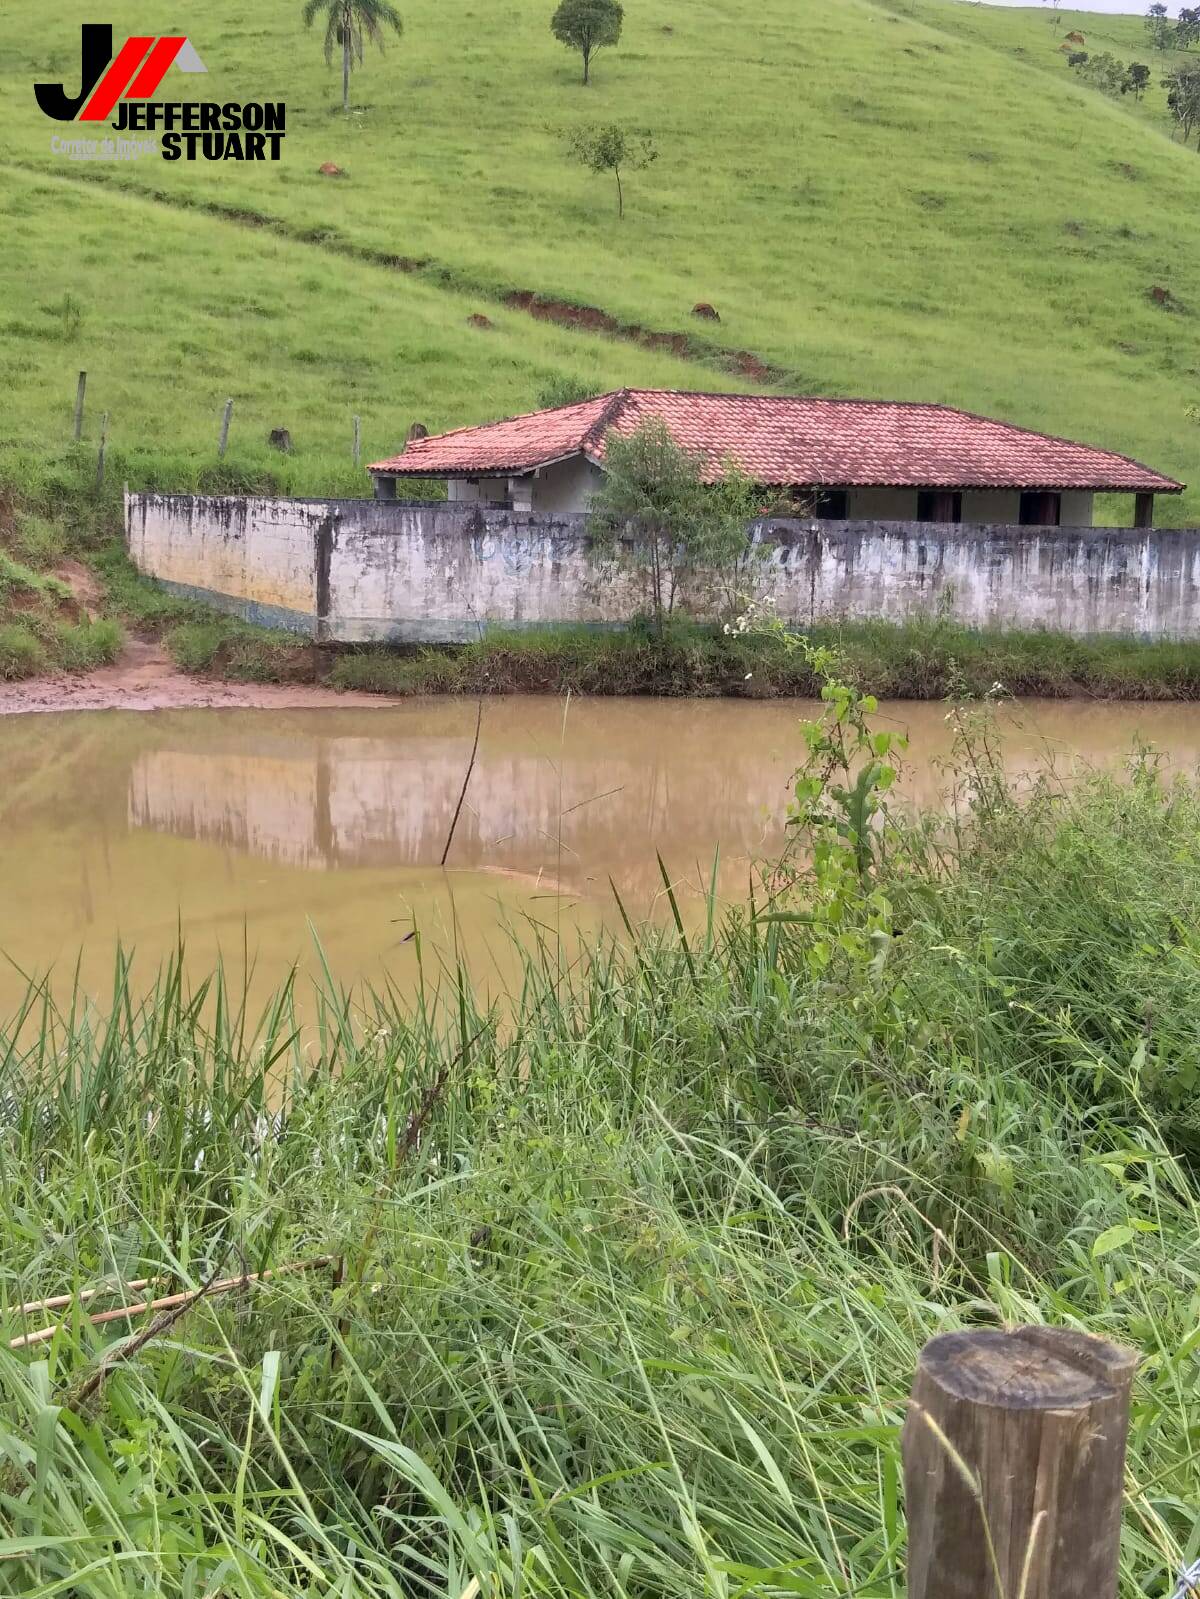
[784,439]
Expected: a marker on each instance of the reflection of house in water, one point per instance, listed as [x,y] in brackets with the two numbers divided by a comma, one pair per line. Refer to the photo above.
[325,801]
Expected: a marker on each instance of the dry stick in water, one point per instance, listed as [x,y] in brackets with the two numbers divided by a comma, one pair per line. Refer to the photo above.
[466,782]
[171,1303]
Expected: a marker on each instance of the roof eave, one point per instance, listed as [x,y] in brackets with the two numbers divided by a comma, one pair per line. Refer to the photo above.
[510,469]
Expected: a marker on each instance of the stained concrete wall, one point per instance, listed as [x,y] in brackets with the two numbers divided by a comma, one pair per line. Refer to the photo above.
[255,557]
[361,570]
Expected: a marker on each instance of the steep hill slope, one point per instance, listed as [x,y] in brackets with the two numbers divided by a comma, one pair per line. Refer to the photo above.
[878,201]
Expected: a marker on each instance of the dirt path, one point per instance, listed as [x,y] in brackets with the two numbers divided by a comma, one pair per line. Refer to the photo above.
[146,679]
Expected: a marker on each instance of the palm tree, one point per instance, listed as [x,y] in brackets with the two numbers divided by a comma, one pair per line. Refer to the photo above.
[349,23]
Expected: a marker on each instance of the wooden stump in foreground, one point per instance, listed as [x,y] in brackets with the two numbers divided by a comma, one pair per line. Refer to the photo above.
[1014,1455]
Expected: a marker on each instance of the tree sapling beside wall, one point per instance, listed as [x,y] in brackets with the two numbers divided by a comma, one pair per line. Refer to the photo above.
[655,490]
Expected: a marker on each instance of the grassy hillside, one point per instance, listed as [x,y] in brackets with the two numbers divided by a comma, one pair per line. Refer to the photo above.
[916,201]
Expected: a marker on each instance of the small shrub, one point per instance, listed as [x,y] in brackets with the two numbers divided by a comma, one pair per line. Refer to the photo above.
[385,672]
[38,541]
[260,657]
[194,645]
[22,654]
[82,646]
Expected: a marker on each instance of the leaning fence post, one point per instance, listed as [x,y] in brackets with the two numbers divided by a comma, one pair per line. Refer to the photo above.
[103,449]
[224,439]
[1014,1456]
[80,392]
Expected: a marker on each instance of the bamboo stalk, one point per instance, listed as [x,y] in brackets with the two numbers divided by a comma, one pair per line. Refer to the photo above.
[34,1307]
[224,1285]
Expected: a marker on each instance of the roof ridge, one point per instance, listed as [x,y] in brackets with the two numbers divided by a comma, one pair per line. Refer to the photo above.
[616,404]
[519,416]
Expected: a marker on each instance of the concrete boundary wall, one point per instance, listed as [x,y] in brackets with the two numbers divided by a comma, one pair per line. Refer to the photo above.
[368,570]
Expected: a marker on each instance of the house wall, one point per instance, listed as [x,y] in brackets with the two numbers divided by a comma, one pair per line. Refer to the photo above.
[883,505]
[358,570]
[566,486]
[1000,506]
[1076,508]
[477,491]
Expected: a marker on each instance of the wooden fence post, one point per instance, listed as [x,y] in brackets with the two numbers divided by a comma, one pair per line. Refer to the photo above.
[1014,1456]
[103,449]
[80,392]
[224,439]
[357,441]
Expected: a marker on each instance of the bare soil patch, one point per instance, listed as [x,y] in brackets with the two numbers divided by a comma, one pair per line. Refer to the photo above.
[146,679]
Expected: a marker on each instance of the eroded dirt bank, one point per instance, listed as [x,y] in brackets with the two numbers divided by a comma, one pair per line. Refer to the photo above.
[146,679]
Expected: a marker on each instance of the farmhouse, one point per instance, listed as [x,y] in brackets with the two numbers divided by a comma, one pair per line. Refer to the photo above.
[840,460]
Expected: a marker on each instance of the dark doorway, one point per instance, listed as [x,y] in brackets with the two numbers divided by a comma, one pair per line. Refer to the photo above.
[1040,509]
[831,505]
[939,505]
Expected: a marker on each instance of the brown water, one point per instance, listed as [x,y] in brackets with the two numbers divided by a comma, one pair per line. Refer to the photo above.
[249,831]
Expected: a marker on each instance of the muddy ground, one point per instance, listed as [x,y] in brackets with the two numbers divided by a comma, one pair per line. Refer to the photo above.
[146,679]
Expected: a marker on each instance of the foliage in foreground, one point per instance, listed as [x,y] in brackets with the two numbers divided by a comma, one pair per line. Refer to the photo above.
[631,1279]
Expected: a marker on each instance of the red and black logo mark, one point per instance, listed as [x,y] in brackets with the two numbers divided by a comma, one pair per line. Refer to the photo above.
[140,66]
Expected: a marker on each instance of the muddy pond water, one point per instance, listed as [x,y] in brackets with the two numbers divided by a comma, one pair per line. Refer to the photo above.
[250,833]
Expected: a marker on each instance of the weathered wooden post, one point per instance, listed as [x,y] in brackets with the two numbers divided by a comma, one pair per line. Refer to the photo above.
[102,452]
[1014,1456]
[357,440]
[80,392]
[224,439]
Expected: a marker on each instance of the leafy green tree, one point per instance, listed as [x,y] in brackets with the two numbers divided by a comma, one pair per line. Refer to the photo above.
[587,26]
[656,489]
[1183,97]
[1158,25]
[1137,77]
[1187,27]
[1103,72]
[608,147]
[348,24]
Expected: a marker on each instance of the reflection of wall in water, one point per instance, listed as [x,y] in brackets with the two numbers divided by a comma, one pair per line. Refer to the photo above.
[268,807]
[377,802]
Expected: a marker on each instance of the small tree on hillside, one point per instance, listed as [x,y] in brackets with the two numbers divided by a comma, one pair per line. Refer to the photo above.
[1137,77]
[608,147]
[1183,97]
[1103,72]
[348,24]
[1187,27]
[587,26]
[655,489]
[1158,25]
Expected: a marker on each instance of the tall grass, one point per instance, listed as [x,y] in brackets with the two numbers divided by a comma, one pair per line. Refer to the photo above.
[632,1276]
